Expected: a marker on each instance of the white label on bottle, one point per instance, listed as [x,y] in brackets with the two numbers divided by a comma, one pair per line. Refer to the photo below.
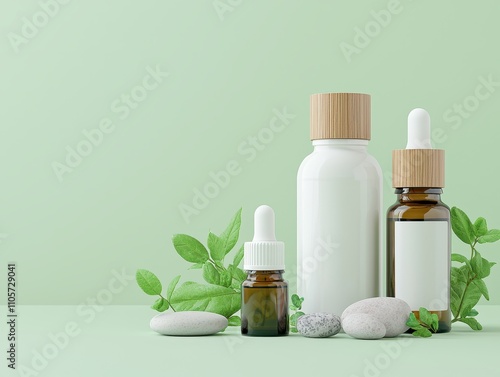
[421,264]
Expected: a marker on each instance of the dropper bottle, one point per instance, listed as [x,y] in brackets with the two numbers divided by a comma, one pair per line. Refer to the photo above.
[418,225]
[264,303]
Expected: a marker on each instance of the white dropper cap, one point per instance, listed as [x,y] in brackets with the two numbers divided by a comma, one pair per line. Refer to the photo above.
[419,129]
[264,253]
[419,165]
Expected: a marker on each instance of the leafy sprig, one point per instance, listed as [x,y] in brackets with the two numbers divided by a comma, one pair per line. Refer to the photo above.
[426,323]
[222,294]
[296,313]
[467,281]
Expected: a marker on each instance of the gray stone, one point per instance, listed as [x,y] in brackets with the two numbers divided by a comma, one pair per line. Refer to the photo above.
[363,326]
[190,323]
[392,312]
[318,325]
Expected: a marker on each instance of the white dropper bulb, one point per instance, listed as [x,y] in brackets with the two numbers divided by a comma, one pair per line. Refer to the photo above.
[264,253]
[264,224]
[419,130]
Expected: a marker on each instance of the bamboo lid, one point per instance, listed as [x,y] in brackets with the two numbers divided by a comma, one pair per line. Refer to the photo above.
[418,168]
[340,116]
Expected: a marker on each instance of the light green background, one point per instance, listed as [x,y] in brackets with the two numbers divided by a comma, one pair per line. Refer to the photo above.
[119,208]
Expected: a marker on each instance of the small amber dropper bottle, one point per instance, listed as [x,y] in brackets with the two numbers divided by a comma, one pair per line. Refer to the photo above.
[418,225]
[264,303]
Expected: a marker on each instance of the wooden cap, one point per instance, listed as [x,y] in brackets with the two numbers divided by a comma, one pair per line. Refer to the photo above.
[340,116]
[418,168]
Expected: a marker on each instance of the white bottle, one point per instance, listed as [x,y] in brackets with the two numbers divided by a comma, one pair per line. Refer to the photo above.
[339,203]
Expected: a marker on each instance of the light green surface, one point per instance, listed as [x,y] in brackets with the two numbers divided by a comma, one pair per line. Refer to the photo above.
[118,342]
[119,207]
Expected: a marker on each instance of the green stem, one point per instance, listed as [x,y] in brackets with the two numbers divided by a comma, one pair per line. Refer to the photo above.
[168,302]
[461,302]
[458,316]
[472,248]
[215,265]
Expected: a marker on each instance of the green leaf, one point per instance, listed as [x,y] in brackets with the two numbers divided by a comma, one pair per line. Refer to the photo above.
[480,227]
[472,322]
[459,278]
[459,258]
[493,235]
[423,332]
[435,322]
[171,286]
[210,274]
[294,317]
[462,226]
[225,278]
[294,330]
[237,273]
[480,266]
[460,274]
[160,305]
[241,275]
[210,298]
[237,277]
[215,246]
[196,266]
[472,313]
[190,248]
[412,321]
[425,316]
[482,288]
[296,301]
[471,298]
[239,256]
[234,321]
[148,282]
[293,307]
[230,236]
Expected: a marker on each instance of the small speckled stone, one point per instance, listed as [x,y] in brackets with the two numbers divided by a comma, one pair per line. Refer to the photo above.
[318,325]
[363,326]
[189,323]
[392,312]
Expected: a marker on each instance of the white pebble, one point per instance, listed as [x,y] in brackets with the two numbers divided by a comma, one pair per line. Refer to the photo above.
[363,326]
[392,312]
[318,325]
[189,323]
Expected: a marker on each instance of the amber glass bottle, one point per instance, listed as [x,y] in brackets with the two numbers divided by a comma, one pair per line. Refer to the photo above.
[418,225]
[264,304]
[427,282]
[264,294]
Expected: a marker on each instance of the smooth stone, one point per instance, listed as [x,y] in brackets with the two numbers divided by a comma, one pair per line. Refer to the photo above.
[363,326]
[318,325]
[392,312]
[190,323]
